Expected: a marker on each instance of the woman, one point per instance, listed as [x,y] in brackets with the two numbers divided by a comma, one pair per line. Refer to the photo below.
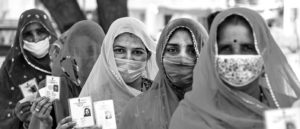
[177,52]
[125,65]
[241,74]
[28,59]
[72,58]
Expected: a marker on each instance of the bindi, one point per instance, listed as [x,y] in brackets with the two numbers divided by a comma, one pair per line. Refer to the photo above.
[234,41]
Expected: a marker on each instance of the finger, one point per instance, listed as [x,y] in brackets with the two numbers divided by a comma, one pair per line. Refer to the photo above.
[33,106]
[37,100]
[48,111]
[68,125]
[25,104]
[17,108]
[65,120]
[45,107]
[26,115]
[26,109]
[41,103]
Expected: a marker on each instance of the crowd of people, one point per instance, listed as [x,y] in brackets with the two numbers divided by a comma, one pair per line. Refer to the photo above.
[190,79]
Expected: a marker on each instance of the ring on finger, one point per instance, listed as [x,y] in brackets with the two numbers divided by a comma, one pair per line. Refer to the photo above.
[37,109]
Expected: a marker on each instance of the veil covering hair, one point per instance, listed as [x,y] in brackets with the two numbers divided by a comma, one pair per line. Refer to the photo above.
[154,108]
[213,105]
[105,81]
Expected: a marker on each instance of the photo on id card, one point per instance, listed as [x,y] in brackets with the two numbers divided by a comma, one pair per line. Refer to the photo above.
[81,111]
[105,114]
[29,90]
[287,118]
[53,87]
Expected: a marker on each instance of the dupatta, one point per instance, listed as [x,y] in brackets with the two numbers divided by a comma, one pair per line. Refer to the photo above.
[154,108]
[213,105]
[105,81]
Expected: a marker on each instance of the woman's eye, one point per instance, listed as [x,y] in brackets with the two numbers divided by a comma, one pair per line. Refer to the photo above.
[119,51]
[249,49]
[42,32]
[225,50]
[191,51]
[172,50]
[27,35]
[137,52]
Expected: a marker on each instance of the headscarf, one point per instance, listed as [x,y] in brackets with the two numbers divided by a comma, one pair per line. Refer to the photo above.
[154,108]
[80,44]
[213,105]
[20,66]
[73,56]
[105,81]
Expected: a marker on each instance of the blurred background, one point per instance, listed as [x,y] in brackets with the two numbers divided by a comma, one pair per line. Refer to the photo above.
[282,16]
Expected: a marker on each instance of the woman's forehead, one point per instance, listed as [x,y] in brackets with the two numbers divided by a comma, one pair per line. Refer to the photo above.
[128,40]
[32,26]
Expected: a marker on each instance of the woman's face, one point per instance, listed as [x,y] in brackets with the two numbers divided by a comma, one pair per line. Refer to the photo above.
[34,32]
[179,58]
[129,46]
[236,40]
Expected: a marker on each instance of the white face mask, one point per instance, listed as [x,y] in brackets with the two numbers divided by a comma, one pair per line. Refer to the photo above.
[130,70]
[239,70]
[38,49]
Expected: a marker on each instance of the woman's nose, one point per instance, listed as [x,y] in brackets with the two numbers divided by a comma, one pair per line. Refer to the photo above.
[36,37]
[129,56]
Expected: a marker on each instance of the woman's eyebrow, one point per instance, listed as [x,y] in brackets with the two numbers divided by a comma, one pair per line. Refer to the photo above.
[118,46]
[172,44]
[139,48]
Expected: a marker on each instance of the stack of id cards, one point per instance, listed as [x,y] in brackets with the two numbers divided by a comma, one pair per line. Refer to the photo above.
[29,90]
[287,118]
[81,110]
[52,88]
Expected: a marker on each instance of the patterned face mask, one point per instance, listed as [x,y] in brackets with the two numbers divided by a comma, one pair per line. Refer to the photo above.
[239,70]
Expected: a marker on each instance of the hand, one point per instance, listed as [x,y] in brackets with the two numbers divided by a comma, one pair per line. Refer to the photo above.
[66,123]
[22,111]
[41,109]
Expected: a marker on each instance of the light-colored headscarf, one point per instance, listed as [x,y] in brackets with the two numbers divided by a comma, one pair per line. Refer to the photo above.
[154,108]
[105,81]
[213,105]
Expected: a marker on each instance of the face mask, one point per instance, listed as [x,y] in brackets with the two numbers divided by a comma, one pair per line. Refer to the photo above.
[38,49]
[179,70]
[130,70]
[239,70]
